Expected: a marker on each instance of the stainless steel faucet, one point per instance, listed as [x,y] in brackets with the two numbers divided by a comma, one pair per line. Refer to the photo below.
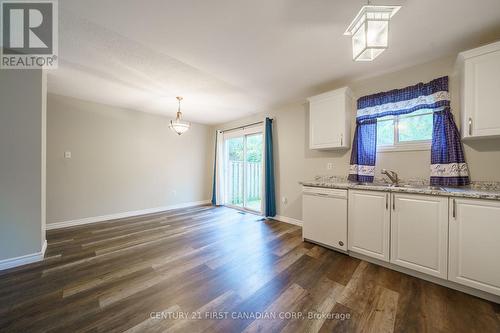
[392,175]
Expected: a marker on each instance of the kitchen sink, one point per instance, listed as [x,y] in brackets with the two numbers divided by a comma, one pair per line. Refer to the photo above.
[374,184]
[425,187]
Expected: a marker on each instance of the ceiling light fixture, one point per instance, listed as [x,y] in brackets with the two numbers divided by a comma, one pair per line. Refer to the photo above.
[178,125]
[370,31]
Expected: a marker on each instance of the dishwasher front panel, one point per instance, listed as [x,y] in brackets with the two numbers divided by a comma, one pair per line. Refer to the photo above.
[325,217]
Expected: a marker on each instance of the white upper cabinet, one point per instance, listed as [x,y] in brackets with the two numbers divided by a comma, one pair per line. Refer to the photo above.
[480,91]
[419,233]
[475,244]
[330,120]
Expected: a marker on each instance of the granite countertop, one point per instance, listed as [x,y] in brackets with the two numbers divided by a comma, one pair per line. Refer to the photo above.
[477,190]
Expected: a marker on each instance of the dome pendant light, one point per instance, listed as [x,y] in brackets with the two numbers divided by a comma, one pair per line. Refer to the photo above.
[370,31]
[178,125]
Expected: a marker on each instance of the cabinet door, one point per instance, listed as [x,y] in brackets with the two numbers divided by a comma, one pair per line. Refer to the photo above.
[327,122]
[475,244]
[482,95]
[325,220]
[419,233]
[369,223]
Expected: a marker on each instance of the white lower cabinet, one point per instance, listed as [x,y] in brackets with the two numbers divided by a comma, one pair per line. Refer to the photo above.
[419,233]
[369,223]
[474,244]
[457,239]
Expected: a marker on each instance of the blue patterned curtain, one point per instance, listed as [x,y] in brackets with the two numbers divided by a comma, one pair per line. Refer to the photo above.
[448,167]
[218,195]
[270,196]
[448,164]
[364,151]
[214,184]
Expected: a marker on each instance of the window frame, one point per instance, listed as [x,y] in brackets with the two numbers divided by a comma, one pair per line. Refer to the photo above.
[408,145]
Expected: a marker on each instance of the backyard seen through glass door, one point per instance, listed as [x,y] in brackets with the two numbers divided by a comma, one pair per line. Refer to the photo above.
[253,171]
[244,171]
[234,171]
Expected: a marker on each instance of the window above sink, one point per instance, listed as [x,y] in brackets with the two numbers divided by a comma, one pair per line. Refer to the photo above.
[405,132]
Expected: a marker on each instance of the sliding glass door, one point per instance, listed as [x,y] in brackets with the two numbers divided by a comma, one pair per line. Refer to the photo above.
[253,171]
[235,151]
[243,169]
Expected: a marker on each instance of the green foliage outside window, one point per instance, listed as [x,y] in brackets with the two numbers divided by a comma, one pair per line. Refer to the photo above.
[254,148]
[414,127]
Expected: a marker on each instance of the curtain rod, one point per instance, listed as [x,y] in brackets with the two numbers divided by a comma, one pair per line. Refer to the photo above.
[244,126]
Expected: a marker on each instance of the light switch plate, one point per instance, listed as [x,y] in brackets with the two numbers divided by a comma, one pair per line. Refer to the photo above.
[67,154]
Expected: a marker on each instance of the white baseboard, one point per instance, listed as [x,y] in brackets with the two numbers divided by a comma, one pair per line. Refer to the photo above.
[23,260]
[288,220]
[94,219]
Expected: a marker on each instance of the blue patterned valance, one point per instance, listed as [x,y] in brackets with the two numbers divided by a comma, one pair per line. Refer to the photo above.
[431,95]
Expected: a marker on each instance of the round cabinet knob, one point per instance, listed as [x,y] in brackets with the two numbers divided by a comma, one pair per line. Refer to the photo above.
[341,243]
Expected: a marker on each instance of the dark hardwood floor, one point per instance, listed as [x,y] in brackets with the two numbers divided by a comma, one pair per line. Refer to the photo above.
[217,270]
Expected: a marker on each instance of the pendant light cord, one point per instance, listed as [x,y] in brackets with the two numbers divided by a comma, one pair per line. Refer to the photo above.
[179,113]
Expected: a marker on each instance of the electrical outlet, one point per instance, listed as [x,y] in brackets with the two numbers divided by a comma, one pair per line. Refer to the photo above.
[329,166]
[284,200]
[67,154]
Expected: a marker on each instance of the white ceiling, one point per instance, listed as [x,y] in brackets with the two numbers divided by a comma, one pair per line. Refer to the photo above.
[232,58]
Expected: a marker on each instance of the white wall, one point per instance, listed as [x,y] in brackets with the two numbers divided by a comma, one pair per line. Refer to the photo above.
[122,160]
[22,162]
[295,161]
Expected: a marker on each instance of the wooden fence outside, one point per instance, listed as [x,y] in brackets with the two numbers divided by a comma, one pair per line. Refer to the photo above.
[236,178]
